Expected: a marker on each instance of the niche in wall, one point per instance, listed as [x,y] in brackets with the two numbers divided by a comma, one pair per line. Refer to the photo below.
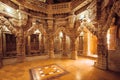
[34,41]
[9,45]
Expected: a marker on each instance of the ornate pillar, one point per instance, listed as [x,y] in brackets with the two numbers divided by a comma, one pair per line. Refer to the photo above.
[102,51]
[64,45]
[29,46]
[42,43]
[71,20]
[39,42]
[80,45]
[73,48]
[50,46]
[20,46]
[50,37]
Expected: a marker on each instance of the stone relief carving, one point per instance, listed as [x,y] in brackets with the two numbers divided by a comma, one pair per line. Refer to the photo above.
[4,21]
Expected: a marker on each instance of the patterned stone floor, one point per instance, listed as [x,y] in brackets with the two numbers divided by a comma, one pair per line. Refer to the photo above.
[81,69]
[48,72]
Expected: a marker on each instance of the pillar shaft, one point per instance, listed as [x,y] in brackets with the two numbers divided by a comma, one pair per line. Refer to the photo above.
[50,38]
[42,43]
[73,48]
[102,51]
[20,46]
[64,45]
[51,46]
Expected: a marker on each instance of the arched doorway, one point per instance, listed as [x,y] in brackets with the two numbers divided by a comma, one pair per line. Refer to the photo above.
[62,44]
[35,44]
[8,39]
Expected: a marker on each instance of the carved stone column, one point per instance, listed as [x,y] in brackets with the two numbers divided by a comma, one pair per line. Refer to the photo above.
[80,45]
[50,37]
[71,20]
[20,46]
[74,48]
[102,51]
[64,45]
[42,43]
[50,40]
[29,46]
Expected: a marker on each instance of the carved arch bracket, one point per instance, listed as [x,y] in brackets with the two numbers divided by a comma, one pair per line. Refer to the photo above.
[4,21]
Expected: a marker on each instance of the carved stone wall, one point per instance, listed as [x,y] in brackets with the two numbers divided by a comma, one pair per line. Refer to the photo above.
[113,58]
[68,23]
[105,59]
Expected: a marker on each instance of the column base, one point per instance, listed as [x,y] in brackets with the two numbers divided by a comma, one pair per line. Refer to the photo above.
[101,62]
[51,54]
[20,58]
[74,55]
[65,55]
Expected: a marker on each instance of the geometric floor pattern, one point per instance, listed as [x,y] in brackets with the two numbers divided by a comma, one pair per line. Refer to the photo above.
[48,72]
[80,69]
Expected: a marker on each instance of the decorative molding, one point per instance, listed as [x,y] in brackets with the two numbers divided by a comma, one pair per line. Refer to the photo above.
[5,21]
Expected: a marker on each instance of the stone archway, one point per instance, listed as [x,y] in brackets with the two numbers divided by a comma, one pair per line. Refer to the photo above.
[36,42]
[62,38]
[4,21]
[6,26]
